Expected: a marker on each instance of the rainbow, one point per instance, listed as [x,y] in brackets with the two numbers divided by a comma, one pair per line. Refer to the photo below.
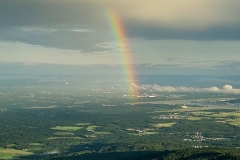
[120,35]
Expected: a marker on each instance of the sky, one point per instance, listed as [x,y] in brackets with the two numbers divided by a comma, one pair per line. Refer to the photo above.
[163,36]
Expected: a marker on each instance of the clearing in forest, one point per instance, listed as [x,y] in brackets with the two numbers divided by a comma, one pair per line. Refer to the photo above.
[67,128]
[159,125]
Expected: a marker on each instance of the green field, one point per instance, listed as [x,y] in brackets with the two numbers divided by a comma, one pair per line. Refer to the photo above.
[144,133]
[102,133]
[183,110]
[82,124]
[82,102]
[149,133]
[66,128]
[64,133]
[236,123]
[182,101]
[35,144]
[11,153]
[42,107]
[54,138]
[196,118]
[159,125]
[227,114]
[91,127]
[202,113]
[232,118]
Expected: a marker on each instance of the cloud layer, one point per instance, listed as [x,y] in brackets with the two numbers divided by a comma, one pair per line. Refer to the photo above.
[152,19]
[180,14]
[183,33]
[157,88]
[190,14]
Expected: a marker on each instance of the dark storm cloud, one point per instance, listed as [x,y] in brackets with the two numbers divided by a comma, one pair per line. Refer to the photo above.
[85,41]
[63,15]
[48,13]
[40,16]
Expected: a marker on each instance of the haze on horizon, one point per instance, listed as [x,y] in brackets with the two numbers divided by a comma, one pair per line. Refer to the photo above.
[165,36]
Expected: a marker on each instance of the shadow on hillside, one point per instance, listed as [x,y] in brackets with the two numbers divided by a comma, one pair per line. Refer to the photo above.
[103,156]
[186,154]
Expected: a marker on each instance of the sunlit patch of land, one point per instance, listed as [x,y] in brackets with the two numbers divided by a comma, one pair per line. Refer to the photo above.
[35,144]
[42,107]
[191,109]
[183,109]
[89,128]
[56,138]
[64,133]
[232,118]
[205,112]
[159,125]
[82,102]
[227,114]
[236,123]
[66,128]
[12,153]
[144,133]
[82,124]
[103,133]
[202,113]
[35,147]
[182,101]
[196,118]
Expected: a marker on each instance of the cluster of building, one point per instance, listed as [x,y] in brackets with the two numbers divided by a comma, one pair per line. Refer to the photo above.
[89,136]
[198,137]
[141,130]
[147,95]
[210,102]
[109,105]
[170,116]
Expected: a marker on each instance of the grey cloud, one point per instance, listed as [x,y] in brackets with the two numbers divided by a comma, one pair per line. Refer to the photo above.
[53,23]
[160,32]
[60,17]
[229,65]
[195,68]
[63,38]
[49,13]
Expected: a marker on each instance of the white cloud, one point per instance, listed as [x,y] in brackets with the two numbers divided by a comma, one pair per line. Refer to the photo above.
[214,89]
[157,88]
[227,87]
[48,29]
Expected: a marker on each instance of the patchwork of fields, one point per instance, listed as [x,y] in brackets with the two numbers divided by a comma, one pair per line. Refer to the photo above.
[69,125]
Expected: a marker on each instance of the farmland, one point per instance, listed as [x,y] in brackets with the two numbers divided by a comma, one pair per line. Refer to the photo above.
[66,128]
[11,153]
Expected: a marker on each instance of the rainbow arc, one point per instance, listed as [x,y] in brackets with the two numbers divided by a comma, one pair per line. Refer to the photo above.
[123,46]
